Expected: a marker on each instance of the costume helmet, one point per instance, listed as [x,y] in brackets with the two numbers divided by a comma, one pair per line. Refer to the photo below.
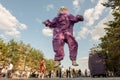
[63,10]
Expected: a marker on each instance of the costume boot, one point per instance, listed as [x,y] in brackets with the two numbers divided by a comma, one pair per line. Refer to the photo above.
[74,63]
[57,63]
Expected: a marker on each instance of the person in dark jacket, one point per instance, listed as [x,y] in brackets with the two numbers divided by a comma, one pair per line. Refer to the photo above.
[63,33]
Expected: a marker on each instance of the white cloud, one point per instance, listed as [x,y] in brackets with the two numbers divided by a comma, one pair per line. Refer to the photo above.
[2,36]
[84,31]
[13,33]
[47,32]
[49,7]
[22,26]
[84,58]
[93,14]
[88,16]
[76,5]
[98,30]
[9,24]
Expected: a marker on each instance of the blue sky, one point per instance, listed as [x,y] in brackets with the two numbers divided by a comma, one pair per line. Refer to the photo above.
[21,20]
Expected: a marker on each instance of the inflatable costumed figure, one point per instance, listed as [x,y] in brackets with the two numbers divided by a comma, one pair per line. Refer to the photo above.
[62,26]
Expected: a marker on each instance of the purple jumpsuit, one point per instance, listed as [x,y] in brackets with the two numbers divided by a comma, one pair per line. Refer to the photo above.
[63,33]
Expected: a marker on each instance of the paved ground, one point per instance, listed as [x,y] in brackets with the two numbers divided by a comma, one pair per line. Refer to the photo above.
[82,78]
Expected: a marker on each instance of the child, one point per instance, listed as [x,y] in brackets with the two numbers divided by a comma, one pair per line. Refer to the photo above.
[63,33]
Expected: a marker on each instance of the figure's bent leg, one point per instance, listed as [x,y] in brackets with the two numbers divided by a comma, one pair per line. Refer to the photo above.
[73,47]
[58,46]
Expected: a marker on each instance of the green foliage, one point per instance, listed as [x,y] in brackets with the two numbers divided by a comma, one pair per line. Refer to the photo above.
[22,55]
[110,43]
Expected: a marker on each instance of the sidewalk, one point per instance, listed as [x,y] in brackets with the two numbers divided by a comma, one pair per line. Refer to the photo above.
[81,78]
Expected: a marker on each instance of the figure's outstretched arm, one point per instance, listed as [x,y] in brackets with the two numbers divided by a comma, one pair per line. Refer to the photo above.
[50,24]
[76,18]
[80,18]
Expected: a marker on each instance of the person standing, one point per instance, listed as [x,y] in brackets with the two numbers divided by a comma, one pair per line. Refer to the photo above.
[10,68]
[79,73]
[4,71]
[86,72]
[42,68]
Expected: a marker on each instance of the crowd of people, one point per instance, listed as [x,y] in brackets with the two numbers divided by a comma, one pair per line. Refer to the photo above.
[59,73]
[7,72]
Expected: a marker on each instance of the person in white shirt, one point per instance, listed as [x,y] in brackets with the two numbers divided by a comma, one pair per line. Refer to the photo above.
[10,68]
[4,71]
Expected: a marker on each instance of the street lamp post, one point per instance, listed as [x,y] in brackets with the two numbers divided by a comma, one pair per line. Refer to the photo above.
[24,61]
